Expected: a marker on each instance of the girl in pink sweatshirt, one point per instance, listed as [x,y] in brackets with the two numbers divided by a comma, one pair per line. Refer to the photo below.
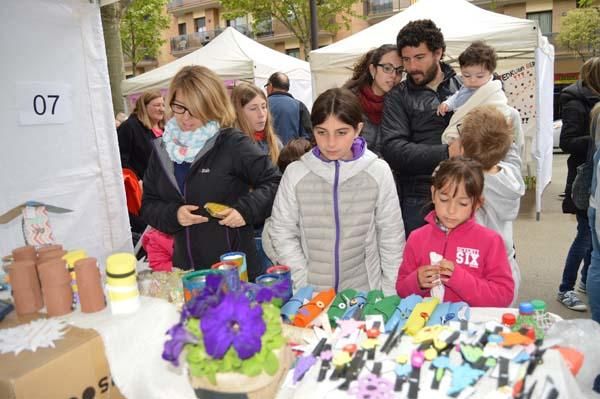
[474,267]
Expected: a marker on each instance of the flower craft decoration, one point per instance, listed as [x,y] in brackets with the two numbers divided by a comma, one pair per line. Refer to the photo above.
[228,331]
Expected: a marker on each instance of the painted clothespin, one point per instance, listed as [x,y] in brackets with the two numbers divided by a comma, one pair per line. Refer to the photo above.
[462,377]
[340,304]
[355,306]
[420,315]
[289,310]
[402,312]
[416,360]
[307,313]
[440,364]
[325,362]
[304,363]
[353,370]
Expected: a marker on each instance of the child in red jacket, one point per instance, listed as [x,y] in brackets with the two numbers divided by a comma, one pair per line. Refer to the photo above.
[474,267]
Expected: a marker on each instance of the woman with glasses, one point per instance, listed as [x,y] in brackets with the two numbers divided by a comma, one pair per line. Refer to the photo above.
[135,135]
[200,159]
[374,75]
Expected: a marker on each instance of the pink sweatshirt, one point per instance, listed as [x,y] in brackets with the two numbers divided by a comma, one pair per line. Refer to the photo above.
[481,276]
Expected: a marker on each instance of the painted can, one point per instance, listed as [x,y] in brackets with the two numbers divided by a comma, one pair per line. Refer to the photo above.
[231,274]
[286,274]
[239,258]
[267,280]
[194,283]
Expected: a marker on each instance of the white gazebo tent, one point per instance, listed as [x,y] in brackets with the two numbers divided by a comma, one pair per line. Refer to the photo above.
[517,42]
[233,56]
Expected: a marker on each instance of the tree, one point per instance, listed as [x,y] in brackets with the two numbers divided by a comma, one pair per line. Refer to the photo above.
[111,17]
[141,27]
[580,30]
[294,15]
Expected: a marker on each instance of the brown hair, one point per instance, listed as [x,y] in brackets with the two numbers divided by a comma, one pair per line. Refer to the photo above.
[590,74]
[485,135]
[341,103]
[205,93]
[141,108]
[421,31]
[241,95]
[459,170]
[479,53]
[293,151]
[361,76]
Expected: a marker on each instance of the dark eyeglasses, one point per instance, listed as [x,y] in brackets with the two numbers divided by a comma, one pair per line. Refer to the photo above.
[458,127]
[389,68]
[180,109]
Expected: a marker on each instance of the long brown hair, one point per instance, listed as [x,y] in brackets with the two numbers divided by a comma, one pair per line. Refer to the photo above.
[241,95]
[361,76]
[141,108]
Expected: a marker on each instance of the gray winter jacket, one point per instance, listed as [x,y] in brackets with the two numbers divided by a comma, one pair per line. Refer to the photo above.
[337,223]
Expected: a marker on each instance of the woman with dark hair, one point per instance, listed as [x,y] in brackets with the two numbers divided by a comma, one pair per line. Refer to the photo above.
[336,219]
[376,73]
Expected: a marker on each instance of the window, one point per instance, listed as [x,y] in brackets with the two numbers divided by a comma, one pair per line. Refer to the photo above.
[264,26]
[199,24]
[182,28]
[240,24]
[294,52]
[544,20]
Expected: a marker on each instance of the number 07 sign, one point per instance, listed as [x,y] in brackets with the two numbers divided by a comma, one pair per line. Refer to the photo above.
[44,103]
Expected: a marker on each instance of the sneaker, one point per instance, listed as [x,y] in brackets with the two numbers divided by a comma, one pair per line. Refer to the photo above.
[571,301]
[581,288]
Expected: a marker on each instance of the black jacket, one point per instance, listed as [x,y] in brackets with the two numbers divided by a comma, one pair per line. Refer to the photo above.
[135,145]
[411,130]
[371,133]
[229,170]
[577,101]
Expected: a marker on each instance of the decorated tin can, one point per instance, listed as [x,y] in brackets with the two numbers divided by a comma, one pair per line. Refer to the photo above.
[267,280]
[231,274]
[194,282]
[239,258]
[286,274]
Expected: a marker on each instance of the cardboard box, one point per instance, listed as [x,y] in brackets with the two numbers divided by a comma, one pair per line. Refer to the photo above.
[75,369]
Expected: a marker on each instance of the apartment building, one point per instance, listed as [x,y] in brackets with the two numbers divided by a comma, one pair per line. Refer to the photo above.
[194,23]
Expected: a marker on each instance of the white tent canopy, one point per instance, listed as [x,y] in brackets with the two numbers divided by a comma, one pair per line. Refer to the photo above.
[233,56]
[517,41]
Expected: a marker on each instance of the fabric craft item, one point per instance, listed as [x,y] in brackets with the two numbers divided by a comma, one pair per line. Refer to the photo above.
[184,146]
[373,297]
[458,311]
[356,303]
[387,306]
[340,304]
[40,333]
[133,191]
[307,313]
[402,312]
[36,226]
[420,315]
[289,310]
[438,290]
[439,314]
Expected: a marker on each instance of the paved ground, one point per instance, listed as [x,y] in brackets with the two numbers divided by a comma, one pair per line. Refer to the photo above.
[542,245]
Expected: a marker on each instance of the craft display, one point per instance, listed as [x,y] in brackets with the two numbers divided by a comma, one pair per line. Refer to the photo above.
[231,272]
[50,252]
[71,257]
[194,282]
[121,283]
[26,289]
[56,286]
[239,259]
[164,285]
[91,295]
[285,273]
[231,340]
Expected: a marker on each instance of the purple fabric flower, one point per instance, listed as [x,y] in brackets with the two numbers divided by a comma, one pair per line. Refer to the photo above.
[210,296]
[277,290]
[173,347]
[233,322]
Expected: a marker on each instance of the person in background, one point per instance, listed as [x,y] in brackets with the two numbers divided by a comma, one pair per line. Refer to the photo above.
[292,152]
[410,127]
[253,118]
[577,100]
[291,118]
[474,268]
[376,73]
[336,220]
[593,275]
[135,136]
[201,158]
[486,136]
[120,118]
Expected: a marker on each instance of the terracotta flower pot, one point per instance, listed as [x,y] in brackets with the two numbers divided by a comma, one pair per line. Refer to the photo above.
[53,272]
[50,254]
[89,285]
[25,287]
[27,252]
[58,299]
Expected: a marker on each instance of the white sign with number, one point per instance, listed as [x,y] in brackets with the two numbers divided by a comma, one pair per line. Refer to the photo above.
[44,103]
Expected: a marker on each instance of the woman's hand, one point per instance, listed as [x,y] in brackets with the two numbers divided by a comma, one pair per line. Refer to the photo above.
[231,218]
[446,270]
[428,276]
[185,217]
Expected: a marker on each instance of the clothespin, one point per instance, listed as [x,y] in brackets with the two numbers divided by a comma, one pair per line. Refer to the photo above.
[353,370]
[325,363]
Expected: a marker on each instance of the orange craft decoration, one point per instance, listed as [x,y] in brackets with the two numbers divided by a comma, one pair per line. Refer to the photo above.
[133,191]
[572,357]
[307,313]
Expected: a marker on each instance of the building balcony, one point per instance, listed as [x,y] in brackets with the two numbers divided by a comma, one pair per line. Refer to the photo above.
[185,44]
[271,36]
[378,10]
[180,7]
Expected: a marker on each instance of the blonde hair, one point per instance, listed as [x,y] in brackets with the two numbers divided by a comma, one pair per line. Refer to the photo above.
[141,108]
[590,74]
[241,95]
[205,94]
[595,124]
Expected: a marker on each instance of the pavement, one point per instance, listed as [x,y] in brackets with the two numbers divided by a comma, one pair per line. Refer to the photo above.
[542,245]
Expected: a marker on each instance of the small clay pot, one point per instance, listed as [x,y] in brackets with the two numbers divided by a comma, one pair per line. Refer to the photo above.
[27,252]
[89,285]
[58,299]
[50,254]
[25,287]
[53,272]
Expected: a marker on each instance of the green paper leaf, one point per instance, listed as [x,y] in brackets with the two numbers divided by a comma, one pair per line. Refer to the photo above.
[251,367]
[271,364]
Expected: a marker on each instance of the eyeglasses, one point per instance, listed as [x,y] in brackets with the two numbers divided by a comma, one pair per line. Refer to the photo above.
[389,68]
[458,127]
[180,109]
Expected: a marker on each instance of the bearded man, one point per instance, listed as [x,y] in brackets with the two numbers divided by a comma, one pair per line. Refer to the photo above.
[411,130]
